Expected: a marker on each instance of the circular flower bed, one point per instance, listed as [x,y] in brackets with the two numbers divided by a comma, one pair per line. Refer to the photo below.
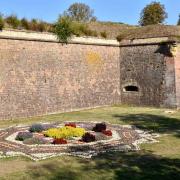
[84,139]
[69,133]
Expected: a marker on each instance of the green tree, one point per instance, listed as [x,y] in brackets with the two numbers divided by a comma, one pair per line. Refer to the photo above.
[13,21]
[80,12]
[25,23]
[153,13]
[63,29]
[178,23]
[1,22]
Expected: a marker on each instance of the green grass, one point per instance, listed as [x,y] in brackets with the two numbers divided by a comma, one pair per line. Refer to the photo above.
[155,161]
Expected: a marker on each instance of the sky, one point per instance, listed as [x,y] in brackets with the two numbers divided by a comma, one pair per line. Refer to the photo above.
[126,11]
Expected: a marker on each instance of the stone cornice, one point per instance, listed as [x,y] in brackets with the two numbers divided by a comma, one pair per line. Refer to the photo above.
[49,37]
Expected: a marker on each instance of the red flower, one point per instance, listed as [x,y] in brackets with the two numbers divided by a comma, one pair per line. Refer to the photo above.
[59,141]
[107,132]
[71,125]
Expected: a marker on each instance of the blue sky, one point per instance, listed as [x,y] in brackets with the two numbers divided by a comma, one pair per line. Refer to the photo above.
[127,11]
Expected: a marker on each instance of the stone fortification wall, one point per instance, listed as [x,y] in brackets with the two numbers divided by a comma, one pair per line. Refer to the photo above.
[39,76]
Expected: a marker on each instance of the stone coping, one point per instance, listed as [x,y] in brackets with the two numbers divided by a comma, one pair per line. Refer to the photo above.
[49,37]
[147,41]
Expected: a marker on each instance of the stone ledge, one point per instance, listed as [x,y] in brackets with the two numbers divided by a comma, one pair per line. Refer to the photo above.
[49,37]
[147,41]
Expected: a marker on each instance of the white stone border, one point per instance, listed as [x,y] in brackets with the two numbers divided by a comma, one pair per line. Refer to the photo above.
[145,137]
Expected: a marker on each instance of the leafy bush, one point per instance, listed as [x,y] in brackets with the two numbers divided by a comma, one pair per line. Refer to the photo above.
[33,25]
[103,34]
[13,21]
[63,29]
[36,128]
[1,22]
[88,137]
[21,136]
[41,26]
[153,13]
[80,12]
[99,127]
[34,140]
[65,132]
[25,24]
[59,141]
[120,37]
[80,29]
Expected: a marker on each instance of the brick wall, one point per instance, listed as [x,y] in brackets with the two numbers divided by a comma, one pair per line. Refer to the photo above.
[39,76]
[44,77]
[151,69]
[177,74]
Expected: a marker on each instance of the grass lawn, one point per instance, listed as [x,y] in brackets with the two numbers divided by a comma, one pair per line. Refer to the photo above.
[154,161]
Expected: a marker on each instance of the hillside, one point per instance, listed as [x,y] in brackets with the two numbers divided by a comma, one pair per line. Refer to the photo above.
[150,31]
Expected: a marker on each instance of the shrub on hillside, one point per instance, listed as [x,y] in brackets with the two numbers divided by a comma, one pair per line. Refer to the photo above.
[63,29]
[13,21]
[25,24]
[103,34]
[33,25]
[41,26]
[120,37]
[1,22]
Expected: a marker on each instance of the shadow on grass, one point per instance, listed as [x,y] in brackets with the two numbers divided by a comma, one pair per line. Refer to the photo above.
[116,165]
[51,171]
[137,166]
[156,123]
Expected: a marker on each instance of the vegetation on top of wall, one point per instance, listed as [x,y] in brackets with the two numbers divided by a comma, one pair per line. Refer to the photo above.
[1,22]
[66,27]
[103,34]
[63,29]
[151,31]
[13,21]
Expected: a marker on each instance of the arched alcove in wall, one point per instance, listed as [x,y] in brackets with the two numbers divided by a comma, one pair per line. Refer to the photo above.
[131,88]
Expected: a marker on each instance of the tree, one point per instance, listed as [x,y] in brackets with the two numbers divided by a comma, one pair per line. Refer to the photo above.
[153,13]
[13,21]
[178,23]
[1,22]
[80,12]
[25,23]
[63,29]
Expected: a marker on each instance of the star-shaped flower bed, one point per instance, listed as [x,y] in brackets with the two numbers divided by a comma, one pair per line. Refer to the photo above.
[83,139]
